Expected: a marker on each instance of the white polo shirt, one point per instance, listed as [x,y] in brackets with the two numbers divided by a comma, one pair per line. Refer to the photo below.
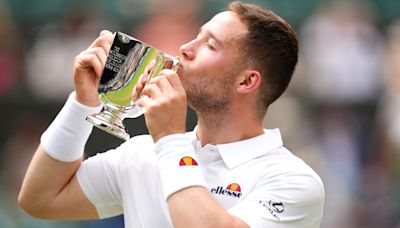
[257,180]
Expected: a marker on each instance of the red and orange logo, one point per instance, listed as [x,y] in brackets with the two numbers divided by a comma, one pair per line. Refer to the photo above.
[187,161]
[234,187]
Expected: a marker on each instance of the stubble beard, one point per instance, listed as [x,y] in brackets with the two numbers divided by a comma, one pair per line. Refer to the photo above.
[211,100]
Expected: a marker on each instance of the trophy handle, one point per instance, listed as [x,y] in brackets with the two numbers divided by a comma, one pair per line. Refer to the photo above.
[164,61]
[175,64]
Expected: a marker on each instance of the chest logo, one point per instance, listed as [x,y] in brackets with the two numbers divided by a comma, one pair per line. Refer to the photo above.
[187,161]
[232,190]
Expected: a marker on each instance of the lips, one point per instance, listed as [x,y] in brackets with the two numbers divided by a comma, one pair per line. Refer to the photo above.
[180,70]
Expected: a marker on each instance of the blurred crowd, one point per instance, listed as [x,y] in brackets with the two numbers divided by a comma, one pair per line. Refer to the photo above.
[340,114]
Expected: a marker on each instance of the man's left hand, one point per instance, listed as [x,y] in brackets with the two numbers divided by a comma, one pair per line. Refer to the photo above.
[165,104]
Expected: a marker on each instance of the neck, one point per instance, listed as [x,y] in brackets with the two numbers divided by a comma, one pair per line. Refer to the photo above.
[219,128]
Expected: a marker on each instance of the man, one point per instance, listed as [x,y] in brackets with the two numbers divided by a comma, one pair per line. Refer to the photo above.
[228,172]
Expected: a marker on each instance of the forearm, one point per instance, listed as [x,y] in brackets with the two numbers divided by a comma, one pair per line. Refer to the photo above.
[44,181]
[195,207]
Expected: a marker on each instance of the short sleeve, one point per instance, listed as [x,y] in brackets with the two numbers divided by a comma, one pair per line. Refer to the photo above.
[97,177]
[283,201]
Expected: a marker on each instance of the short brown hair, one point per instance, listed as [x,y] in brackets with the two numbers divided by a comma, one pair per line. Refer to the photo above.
[270,46]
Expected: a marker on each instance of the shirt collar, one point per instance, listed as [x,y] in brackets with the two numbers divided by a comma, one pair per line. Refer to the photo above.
[237,153]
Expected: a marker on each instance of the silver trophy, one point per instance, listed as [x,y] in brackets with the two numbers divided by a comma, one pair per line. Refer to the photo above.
[129,62]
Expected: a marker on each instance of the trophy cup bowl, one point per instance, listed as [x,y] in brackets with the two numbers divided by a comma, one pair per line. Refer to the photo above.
[129,62]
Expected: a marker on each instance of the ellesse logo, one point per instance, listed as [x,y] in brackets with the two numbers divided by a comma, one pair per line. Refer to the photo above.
[187,161]
[233,190]
[234,187]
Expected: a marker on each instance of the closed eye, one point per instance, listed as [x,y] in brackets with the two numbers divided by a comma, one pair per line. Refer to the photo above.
[207,43]
[212,44]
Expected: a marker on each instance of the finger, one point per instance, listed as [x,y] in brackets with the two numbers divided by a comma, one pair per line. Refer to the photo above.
[143,79]
[106,33]
[163,83]
[137,91]
[150,66]
[152,90]
[104,41]
[99,52]
[144,102]
[173,79]
[139,86]
[85,60]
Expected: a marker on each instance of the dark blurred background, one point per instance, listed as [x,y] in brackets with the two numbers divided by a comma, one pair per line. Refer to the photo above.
[340,114]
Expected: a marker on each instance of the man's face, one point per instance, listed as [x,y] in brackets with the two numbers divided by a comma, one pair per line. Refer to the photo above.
[210,62]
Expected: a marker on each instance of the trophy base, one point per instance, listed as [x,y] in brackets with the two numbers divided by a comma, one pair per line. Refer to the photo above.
[111,125]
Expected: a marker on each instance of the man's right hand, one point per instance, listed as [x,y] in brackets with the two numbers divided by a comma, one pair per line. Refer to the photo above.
[88,68]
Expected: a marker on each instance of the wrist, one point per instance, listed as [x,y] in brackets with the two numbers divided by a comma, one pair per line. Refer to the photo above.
[65,138]
[178,164]
[87,100]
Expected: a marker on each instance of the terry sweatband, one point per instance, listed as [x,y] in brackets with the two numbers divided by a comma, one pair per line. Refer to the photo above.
[65,138]
[178,164]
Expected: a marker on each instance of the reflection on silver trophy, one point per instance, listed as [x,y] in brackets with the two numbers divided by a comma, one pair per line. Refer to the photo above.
[129,62]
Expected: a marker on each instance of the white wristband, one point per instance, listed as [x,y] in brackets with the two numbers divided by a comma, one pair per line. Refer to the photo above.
[178,164]
[65,138]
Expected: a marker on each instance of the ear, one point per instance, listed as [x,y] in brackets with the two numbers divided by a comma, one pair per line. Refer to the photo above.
[249,81]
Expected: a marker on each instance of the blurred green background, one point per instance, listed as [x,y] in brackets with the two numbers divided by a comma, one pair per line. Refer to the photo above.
[340,114]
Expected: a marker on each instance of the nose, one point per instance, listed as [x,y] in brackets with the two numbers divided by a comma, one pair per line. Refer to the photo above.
[187,50]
